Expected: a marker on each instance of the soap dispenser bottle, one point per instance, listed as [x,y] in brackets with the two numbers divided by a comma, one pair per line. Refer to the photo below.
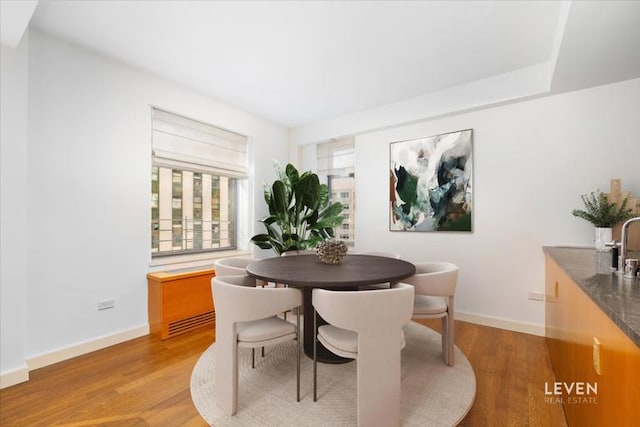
[615,253]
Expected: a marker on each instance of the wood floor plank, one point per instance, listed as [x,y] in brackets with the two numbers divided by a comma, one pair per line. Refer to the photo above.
[145,382]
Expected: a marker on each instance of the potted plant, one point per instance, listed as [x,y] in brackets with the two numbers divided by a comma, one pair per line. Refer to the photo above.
[300,215]
[603,215]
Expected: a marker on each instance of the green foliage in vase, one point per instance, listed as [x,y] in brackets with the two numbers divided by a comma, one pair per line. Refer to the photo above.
[602,213]
[300,215]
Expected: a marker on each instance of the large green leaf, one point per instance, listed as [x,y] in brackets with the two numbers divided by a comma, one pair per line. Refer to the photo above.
[269,219]
[279,200]
[324,196]
[267,199]
[292,175]
[328,222]
[312,217]
[260,238]
[308,191]
[265,241]
[332,210]
[263,245]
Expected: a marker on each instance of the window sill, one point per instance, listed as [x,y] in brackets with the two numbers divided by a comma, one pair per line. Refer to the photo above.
[193,260]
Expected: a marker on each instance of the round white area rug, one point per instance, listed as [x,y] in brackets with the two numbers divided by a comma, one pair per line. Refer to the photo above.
[433,394]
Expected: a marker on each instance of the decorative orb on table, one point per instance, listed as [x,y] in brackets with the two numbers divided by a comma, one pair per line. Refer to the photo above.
[331,251]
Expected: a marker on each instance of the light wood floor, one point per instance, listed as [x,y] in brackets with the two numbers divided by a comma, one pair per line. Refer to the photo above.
[145,382]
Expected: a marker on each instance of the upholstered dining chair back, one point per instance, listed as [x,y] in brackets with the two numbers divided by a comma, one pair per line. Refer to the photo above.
[246,317]
[246,302]
[235,266]
[435,284]
[232,266]
[434,278]
[365,312]
[367,325]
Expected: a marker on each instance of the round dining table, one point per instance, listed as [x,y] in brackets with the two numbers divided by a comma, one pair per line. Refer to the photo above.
[307,272]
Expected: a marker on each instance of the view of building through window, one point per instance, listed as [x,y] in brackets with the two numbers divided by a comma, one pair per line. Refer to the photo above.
[342,189]
[191,211]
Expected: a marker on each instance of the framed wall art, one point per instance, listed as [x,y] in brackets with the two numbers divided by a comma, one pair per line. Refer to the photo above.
[431,183]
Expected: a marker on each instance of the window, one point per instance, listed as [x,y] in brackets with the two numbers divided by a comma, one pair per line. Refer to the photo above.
[336,166]
[195,175]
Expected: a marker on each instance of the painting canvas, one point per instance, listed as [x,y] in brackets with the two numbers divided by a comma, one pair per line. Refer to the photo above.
[431,183]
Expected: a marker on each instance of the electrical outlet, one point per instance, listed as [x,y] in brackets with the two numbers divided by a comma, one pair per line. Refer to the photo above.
[106,303]
[597,364]
[536,296]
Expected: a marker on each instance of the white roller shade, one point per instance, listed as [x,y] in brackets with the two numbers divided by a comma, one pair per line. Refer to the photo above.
[336,157]
[182,143]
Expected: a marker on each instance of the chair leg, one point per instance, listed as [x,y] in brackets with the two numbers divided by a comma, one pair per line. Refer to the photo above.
[253,358]
[298,356]
[315,355]
[262,351]
[447,340]
[444,335]
[450,338]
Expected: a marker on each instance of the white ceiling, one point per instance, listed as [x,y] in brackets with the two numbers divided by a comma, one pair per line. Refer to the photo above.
[301,62]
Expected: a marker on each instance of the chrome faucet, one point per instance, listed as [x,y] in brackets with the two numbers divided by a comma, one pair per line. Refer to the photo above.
[623,245]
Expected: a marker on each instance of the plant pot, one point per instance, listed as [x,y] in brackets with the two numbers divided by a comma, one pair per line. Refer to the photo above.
[603,235]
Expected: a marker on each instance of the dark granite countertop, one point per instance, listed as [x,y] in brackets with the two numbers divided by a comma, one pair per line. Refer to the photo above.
[617,296]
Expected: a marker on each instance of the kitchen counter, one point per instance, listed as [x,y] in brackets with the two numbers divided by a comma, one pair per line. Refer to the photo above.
[618,297]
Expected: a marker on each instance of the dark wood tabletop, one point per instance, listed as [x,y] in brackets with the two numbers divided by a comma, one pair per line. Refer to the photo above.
[307,271]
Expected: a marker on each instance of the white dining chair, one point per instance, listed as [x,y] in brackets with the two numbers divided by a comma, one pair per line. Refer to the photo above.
[246,317]
[235,266]
[435,284]
[367,326]
[238,266]
[232,266]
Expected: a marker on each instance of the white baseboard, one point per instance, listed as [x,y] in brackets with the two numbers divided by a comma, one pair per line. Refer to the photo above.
[7,379]
[79,349]
[496,322]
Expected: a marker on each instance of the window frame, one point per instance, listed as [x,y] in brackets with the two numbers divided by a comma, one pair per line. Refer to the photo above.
[189,146]
[232,200]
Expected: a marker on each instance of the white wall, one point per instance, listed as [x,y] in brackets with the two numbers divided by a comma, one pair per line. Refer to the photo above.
[532,161]
[13,213]
[88,189]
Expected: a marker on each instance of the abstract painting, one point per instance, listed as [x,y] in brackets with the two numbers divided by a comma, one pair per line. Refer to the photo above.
[431,183]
